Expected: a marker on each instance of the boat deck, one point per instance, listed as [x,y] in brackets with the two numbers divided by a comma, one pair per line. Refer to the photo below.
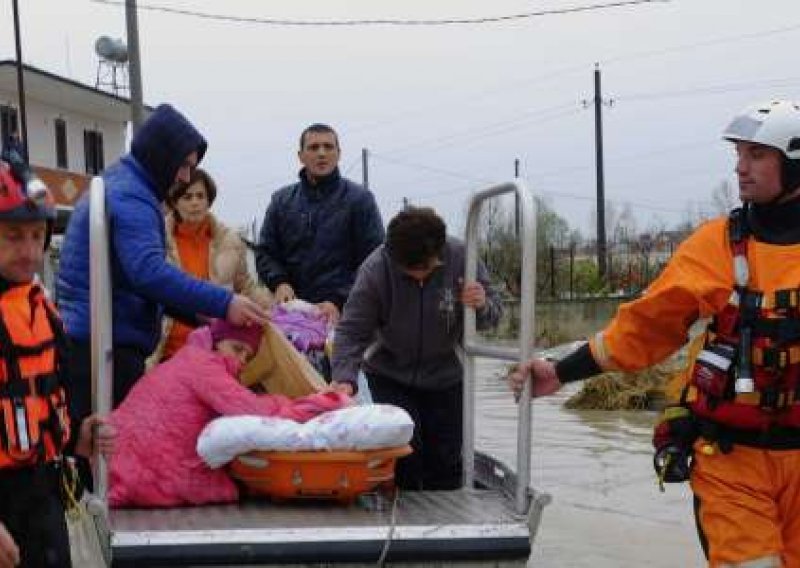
[421,526]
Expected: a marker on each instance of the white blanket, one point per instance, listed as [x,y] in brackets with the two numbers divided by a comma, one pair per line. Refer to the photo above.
[365,427]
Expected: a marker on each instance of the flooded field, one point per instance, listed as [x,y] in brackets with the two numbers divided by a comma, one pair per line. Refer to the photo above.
[607,510]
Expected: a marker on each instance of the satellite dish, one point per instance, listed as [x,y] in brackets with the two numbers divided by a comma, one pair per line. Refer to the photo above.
[113,50]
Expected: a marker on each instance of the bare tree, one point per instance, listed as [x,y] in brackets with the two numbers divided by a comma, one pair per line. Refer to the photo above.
[723,197]
[625,225]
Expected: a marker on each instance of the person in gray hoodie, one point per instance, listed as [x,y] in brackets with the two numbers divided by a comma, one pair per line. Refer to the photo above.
[403,323]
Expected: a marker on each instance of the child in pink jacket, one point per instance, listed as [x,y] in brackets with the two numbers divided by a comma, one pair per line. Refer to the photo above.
[155,463]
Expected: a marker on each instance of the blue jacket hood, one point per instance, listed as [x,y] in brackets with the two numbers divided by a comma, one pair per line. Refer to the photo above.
[162,144]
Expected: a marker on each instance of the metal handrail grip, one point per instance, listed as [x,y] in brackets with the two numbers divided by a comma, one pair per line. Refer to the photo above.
[100,302]
[473,348]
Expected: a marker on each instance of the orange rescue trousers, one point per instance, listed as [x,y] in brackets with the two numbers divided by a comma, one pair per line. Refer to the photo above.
[748,505]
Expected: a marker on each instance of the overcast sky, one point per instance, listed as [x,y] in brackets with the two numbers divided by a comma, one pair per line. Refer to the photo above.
[446,110]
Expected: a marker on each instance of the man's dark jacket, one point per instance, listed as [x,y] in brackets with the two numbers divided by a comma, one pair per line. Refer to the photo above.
[316,236]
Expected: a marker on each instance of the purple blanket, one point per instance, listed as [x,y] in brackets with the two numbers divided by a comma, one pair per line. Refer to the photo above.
[307,332]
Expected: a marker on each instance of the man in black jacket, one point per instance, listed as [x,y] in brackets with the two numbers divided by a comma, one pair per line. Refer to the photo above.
[318,231]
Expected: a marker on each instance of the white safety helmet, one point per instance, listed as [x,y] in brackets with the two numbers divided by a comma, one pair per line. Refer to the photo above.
[775,124]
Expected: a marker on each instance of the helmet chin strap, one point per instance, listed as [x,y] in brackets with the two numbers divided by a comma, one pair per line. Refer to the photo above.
[790,176]
[777,199]
[790,180]
[49,234]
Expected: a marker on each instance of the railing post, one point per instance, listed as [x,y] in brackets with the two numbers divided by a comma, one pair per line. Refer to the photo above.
[100,302]
[472,348]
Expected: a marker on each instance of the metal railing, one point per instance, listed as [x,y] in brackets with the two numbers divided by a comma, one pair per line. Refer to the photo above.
[474,348]
[102,354]
[100,301]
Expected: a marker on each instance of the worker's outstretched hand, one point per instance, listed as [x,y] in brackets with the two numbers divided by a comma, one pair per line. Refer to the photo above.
[9,552]
[244,311]
[541,373]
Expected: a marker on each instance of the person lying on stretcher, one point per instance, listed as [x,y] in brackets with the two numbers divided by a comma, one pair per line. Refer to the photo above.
[156,462]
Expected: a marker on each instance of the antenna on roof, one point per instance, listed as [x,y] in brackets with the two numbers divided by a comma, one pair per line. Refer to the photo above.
[112,65]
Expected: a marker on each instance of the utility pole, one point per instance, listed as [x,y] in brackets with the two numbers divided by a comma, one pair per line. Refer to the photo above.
[572,270]
[134,65]
[602,246]
[516,200]
[23,120]
[365,167]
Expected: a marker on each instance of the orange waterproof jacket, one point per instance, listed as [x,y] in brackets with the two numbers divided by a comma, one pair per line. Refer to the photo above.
[34,424]
[699,282]
[696,283]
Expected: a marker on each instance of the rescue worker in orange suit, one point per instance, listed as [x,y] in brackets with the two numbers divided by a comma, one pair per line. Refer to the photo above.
[34,423]
[735,435]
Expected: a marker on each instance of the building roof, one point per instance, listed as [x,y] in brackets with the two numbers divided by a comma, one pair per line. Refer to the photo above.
[66,94]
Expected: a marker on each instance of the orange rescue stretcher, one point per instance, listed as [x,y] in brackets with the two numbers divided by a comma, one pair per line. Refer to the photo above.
[341,476]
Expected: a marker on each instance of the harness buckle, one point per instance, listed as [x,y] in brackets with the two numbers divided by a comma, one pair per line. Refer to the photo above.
[749,306]
[770,400]
[786,300]
[773,358]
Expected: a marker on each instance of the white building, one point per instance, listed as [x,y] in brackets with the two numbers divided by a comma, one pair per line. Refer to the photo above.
[74,130]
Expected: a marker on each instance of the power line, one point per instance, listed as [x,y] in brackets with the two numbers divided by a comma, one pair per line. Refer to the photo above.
[581,67]
[701,207]
[492,128]
[712,89]
[692,171]
[465,188]
[478,96]
[528,118]
[617,201]
[383,21]
[433,169]
[615,158]
[711,42]
[551,113]
[353,164]
[558,111]
[651,205]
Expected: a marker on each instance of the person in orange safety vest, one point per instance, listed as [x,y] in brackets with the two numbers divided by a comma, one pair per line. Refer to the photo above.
[735,434]
[34,423]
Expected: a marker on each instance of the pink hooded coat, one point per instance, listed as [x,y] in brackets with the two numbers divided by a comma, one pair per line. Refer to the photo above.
[155,463]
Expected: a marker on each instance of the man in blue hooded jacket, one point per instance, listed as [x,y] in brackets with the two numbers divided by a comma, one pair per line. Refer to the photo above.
[164,150]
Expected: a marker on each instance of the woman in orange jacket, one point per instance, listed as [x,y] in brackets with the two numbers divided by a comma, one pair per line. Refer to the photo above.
[206,248]
[736,433]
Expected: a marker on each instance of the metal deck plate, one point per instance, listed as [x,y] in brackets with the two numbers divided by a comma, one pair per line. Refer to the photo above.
[427,526]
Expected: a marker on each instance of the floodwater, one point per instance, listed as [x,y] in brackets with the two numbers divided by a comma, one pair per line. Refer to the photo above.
[607,510]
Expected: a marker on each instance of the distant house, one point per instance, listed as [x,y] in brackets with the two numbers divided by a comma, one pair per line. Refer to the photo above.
[74,130]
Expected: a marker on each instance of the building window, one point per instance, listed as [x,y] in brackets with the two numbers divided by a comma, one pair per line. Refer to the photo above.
[8,124]
[93,151]
[61,143]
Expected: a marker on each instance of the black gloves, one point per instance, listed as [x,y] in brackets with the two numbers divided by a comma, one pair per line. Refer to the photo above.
[673,438]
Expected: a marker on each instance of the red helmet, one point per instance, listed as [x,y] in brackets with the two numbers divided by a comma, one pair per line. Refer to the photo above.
[23,197]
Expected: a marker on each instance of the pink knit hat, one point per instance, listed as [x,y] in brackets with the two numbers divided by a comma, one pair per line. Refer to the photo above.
[250,334]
